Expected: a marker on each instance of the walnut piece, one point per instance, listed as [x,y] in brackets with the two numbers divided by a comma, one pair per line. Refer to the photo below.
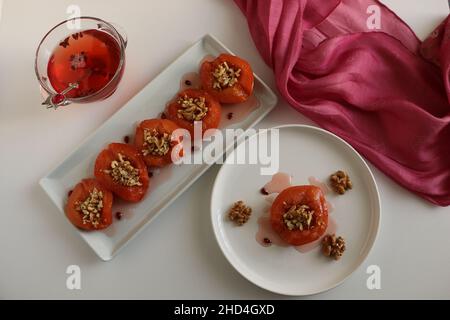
[156,143]
[239,213]
[333,246]
[123,172]
[192,109]
[340,182]
[298,216]
[225,76]
[91,207]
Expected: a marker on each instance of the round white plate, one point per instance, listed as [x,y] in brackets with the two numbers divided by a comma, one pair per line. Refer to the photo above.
[304,151]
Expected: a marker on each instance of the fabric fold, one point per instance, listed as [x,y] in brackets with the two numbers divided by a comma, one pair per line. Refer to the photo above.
[356,69]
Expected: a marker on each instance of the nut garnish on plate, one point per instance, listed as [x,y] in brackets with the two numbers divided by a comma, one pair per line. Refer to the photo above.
[192,109]
[91,208]
[340,182]
[239,213]
[298,217]
[225,76]
[156,143]
[122,171]
[333,246]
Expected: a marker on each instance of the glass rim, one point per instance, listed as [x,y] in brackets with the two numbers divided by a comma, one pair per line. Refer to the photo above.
[116,74]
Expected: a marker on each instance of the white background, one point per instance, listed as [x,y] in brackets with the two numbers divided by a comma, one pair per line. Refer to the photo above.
[177,256]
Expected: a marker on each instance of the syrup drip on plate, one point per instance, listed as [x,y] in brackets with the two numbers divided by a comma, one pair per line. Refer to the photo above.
[121,210]
[265,231]
[160,176]
[190,80]
[111,231]
[325,189]
[278,183]
[207,58]
[120,214]
[316,182]
[235,113]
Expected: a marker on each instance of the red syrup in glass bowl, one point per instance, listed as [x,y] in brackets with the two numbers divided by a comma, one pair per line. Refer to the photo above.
[88,58]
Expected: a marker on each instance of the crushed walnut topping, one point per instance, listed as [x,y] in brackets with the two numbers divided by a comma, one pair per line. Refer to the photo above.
[225,76]
[298,216]
[123,172]
[340,182]
[333,246]
[91,208]
[239,213]
[156,143]
[192,109]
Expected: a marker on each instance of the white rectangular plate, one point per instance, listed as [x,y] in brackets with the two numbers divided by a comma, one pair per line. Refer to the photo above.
[171,181]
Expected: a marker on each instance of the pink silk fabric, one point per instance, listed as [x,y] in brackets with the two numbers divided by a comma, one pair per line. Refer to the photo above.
[382,90]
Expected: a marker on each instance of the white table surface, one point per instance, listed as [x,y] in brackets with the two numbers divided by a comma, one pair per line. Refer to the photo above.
[177,256]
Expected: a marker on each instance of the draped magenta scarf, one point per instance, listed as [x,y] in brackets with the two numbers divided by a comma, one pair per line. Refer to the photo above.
[357,70]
